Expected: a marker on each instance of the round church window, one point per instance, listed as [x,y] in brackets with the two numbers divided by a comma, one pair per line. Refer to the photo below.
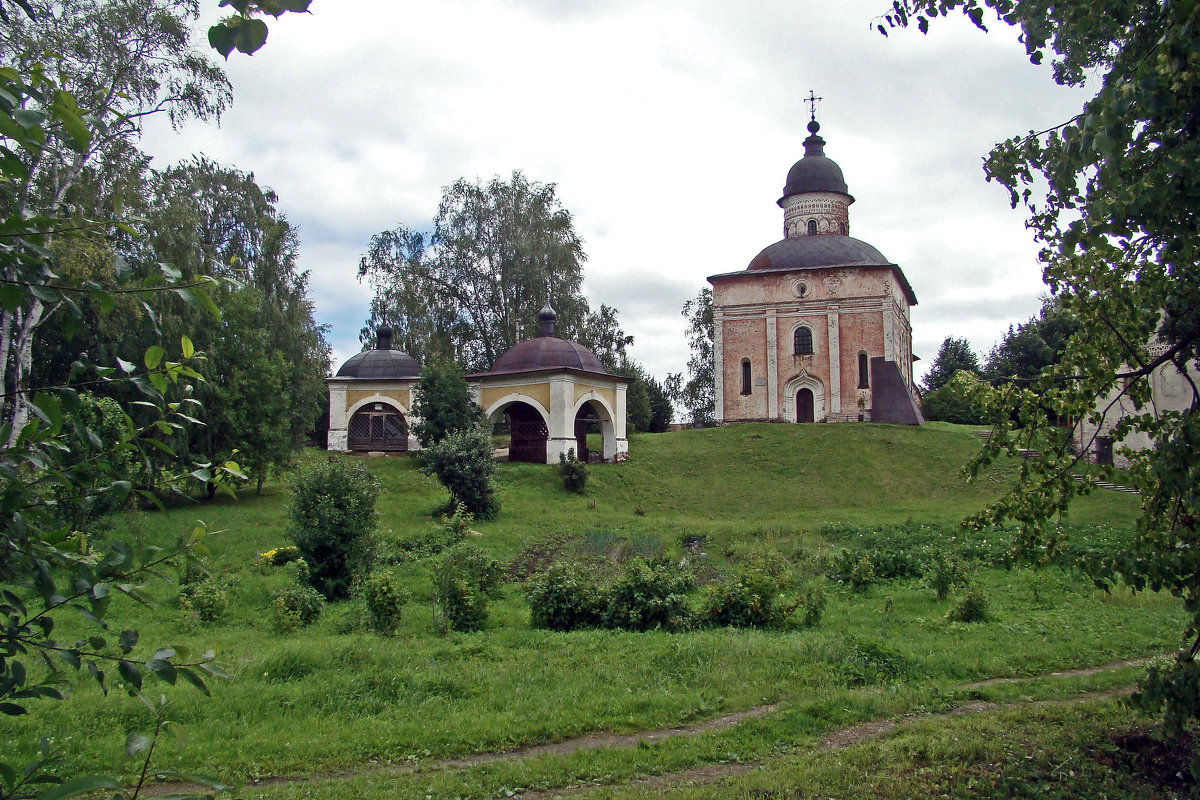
[800,288]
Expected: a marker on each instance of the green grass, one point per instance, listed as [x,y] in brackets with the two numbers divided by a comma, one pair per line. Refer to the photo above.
[322,702]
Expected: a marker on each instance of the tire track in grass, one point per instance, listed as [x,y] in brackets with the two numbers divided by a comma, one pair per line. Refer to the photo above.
[843,737]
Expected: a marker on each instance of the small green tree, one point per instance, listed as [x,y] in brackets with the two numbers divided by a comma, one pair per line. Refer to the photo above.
[333,518]
[953,355]
[443,403]
[462,462]
[574,473]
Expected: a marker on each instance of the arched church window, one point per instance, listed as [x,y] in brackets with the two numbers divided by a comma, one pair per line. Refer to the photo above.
[802,341]
[864,371]
[842,228]
[812,227]
[745,376]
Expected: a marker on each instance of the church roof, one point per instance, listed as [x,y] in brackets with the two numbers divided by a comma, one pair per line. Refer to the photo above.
[547,353]
[814,172]
[829,250]
[825,251]
[382,363]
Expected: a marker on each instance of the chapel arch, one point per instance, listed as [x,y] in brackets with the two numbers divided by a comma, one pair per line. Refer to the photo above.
[528,429]
[377,425]
[593,415]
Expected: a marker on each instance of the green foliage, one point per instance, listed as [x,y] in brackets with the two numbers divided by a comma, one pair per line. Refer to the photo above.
[572,471]
[443,403]
[954,354]
[697,394]
[504,248]
[955,401]
[463,579]
[295,606]
[812,603]
[244,31]
[944,572]
[332,521]
[462,462]
[870,663]
[385,595]
[204,601]
[749,598]
[565,597]
[971,606]
[1110,195]
[650,595]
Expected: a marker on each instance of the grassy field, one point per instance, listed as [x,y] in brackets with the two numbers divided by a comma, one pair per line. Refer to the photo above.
[358,714]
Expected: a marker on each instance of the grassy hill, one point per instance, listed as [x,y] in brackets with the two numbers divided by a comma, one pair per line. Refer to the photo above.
[336,702]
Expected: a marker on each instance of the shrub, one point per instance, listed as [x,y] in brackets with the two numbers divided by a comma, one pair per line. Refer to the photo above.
[443,403]
[295,606]
[462,462]
[473,563]
[971,607]
[279,556]
[463,579]
[385,597]
[862,573]
[867,663]
[749,599]
[574,473]
[204,601]
[945,572]
[333,518]
[450,530]
[812,601]
[565,597]
[647,596]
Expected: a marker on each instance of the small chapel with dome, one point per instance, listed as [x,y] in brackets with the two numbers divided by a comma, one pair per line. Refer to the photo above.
[817,327]
[548,393]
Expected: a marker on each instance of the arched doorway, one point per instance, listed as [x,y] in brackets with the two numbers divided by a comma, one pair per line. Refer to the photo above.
[527,433]
[805,406]
[588,421]
[377,426]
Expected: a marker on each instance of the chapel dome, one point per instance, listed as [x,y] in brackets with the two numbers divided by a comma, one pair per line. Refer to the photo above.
[808,252]
[382,363]
[547,351]
[814,172]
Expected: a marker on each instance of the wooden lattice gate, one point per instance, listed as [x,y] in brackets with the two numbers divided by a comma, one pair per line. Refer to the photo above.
[528,434]
[378,427]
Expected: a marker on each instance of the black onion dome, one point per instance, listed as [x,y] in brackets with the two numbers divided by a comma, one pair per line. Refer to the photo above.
[806,252]
[815,172]
[382,363]
[547,352]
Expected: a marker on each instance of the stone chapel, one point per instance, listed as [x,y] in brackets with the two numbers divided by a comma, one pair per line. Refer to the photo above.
[817,327]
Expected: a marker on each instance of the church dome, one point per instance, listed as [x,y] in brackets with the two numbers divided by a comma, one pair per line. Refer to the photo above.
[382,363]
[547,351]
[807,252]
[814,172]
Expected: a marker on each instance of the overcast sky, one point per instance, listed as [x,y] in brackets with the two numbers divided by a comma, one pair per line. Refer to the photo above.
[668,126]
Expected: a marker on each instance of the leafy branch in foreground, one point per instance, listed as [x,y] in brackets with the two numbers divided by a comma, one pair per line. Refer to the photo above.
[1112,195]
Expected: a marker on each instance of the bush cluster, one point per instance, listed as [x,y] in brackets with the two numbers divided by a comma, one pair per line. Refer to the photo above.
[574,473]
[204,601]
[653,594]
[463,580]
[333,519]
[449,531]
[385,597]
[295,606]
[462,462]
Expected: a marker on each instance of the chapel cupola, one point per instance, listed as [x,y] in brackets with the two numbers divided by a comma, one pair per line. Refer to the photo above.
[815,198]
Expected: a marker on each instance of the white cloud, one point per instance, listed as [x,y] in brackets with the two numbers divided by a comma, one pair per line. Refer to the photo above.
[668,127]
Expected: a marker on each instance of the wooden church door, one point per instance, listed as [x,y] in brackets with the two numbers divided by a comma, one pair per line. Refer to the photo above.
[804,406]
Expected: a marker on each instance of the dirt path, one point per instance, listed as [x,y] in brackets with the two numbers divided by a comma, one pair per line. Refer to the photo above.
[844,737]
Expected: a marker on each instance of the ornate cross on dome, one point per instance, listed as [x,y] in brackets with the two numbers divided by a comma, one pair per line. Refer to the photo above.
[812,101]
